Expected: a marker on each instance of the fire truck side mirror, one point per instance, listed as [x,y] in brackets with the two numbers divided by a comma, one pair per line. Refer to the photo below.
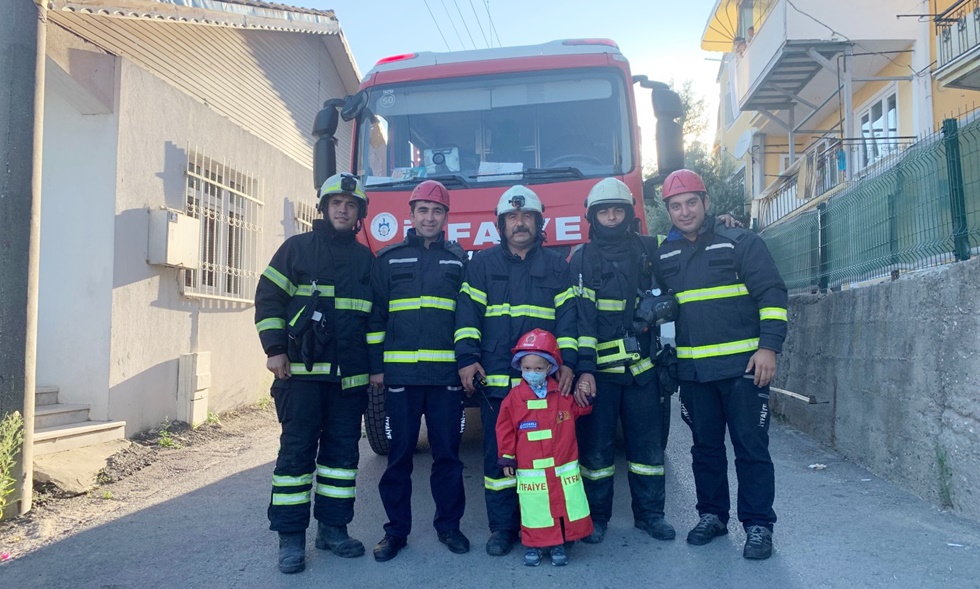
[667,107]
[666,104]
[670,147]
[353,105]
[325,148]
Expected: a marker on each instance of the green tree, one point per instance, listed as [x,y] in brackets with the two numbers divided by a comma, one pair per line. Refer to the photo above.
[726,188]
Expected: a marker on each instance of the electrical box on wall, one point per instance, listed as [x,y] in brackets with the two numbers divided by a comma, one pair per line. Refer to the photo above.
[174,239]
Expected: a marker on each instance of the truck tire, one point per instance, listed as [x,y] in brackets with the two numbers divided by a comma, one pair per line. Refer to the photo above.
[374,422]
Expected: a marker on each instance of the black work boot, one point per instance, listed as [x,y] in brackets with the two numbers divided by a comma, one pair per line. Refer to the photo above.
[709,527]
[758,543]
[500,542]
[336,540]
[598,533]
[456,541]
[388,547]
[292,552]
[656,527]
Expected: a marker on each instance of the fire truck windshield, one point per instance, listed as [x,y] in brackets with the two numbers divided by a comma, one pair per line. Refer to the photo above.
[484,130]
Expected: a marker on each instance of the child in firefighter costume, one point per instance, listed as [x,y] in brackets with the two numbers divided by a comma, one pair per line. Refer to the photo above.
[536,437]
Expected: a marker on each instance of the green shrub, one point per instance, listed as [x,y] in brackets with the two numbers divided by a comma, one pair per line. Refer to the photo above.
[11,439]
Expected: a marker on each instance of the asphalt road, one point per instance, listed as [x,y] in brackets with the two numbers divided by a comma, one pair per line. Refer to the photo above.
[838,527]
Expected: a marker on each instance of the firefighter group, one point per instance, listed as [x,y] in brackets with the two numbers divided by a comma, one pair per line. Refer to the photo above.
[557,353]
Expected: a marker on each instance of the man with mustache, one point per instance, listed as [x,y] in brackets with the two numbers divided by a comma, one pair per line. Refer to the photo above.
[509,290]
[415,285]
[311,311]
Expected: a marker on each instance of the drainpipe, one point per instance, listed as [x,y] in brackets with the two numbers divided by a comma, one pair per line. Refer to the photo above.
[848,130]
[22,76]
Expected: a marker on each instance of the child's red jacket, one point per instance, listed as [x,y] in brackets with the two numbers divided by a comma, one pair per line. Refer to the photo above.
[539,436]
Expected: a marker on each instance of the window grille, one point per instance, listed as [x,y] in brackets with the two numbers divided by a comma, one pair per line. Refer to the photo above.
[229,206]
[305,214]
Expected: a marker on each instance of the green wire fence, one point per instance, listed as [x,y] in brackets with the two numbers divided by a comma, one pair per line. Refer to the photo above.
[920,208]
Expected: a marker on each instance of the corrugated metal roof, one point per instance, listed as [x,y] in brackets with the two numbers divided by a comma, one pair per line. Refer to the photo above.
[250,14]
[254,4]
[286,7]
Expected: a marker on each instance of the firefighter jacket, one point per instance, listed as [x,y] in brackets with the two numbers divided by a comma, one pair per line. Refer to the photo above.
[537,437]
[410,333]
[339,268]
[607,275]
[732,299]
[503,297]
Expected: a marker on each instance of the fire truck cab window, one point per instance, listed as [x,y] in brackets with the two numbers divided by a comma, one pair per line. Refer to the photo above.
[502,123]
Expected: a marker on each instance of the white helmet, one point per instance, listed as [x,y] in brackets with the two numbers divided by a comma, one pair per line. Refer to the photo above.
[518,198]
[608,192]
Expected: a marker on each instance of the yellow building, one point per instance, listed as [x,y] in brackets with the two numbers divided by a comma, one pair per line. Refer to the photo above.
[815,95]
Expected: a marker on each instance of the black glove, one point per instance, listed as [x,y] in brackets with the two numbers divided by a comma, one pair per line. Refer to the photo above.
[666,364]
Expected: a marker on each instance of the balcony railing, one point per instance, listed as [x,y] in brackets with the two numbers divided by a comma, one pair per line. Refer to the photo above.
[822,168]
[957,30]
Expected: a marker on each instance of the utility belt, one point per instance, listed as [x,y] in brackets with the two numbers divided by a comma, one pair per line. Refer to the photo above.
[618,352]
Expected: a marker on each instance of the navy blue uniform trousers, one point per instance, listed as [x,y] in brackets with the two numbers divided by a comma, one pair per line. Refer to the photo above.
[442,407]
[708,407]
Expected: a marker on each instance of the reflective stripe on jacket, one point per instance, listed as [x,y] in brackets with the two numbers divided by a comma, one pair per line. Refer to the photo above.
[601,306]
[410,334]
[339,268]
[732,299]
[538,435]
[503,297]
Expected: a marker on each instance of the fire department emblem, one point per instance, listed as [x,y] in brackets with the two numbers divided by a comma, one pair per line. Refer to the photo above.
[384,227]
[563,416]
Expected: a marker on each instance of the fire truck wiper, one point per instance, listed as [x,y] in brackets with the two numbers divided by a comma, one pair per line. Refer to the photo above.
[450,180]
[553,173]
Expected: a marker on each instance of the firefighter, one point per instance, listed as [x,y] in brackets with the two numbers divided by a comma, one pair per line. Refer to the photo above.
[509,290]
[611,270]
[731,324]
[311,310]
[410,340]
[536,436]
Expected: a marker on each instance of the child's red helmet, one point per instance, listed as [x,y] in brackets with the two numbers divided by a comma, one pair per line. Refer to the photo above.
[537,341]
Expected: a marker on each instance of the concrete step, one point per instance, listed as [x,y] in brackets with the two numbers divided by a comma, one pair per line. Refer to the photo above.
[75,471]
[77,435]
[47,416]
[45,395]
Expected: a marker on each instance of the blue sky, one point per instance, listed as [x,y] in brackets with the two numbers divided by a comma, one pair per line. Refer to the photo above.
[661,38]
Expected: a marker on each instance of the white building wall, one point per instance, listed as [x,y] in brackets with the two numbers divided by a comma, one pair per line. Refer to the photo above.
[75,281]
[152,323]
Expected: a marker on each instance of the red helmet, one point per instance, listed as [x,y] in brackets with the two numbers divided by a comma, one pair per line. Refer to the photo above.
[537,341]
[682,181]
[431,190]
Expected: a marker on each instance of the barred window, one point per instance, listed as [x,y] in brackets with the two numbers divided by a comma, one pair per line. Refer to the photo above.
[305,214]
[230,209]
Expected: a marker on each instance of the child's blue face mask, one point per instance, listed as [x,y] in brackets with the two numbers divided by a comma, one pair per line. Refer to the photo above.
[538,381]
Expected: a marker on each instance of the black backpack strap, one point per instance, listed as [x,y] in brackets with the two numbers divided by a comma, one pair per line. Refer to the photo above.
[591,267]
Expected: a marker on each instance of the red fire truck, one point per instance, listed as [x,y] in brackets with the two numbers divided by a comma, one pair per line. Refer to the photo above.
[557,117]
